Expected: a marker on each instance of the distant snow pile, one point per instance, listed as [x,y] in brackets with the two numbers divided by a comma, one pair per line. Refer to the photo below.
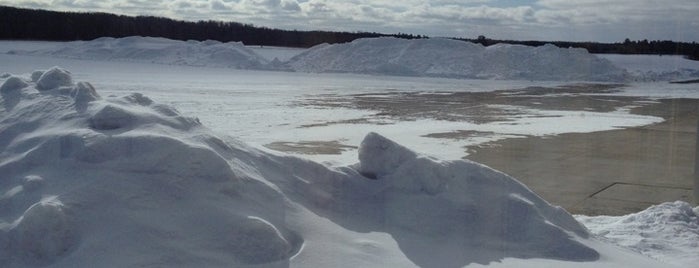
[647,68]
[458,59]
[380,56]
[127,182]
[668,232]
[159,50]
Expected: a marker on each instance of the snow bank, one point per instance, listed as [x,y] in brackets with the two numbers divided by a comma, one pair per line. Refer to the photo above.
[481,198]
[668,232]
[125,181]
[379,56]
[451,58]
[158,50]
[646,68]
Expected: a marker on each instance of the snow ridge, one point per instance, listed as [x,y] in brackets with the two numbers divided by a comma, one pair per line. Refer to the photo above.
[434,57]
[451,58]
[668,231]
[159,50]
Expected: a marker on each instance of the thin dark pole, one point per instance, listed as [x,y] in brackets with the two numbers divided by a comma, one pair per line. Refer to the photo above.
[696,169]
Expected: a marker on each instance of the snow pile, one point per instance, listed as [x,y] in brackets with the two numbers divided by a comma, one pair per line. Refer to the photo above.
[451,58]
[646,68]
[158,50]
[469,200]
[380,56]
[128,182]
[668,232]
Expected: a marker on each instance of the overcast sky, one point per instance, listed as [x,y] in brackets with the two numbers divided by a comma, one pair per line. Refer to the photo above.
[574,20]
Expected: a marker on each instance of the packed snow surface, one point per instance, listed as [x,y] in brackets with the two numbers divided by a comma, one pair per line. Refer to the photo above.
[668,232]
[126,182]
[458,59]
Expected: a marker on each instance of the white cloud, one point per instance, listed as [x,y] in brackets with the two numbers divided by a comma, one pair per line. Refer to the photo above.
[599,20]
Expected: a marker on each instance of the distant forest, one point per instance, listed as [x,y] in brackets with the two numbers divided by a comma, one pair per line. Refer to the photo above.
[664,47]
[31,24]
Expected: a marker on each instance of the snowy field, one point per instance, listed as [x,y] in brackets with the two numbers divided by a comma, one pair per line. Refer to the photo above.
[263,107]
[327,212]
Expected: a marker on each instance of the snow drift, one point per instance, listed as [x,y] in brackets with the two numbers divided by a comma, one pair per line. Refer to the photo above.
[667,232]
[434,57]
[458,59]
[127,182]
[648,68]
[158,50]
[379,56]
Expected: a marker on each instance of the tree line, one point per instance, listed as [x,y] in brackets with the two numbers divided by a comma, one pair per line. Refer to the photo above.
[657,47]
[33,24]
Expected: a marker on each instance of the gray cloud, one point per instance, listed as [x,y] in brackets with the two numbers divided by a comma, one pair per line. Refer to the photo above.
[218,5]
[291,5]
[597,20]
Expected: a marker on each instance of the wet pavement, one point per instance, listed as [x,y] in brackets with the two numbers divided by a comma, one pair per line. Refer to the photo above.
[609,172]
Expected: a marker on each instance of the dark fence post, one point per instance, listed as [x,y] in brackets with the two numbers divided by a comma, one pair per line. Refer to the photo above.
[696,169]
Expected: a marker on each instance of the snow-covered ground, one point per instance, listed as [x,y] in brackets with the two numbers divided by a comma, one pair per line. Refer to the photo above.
[261,107]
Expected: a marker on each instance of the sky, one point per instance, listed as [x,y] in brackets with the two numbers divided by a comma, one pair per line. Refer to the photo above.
[549,20]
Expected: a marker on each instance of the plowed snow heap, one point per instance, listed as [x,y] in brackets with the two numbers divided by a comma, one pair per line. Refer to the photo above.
[451,58]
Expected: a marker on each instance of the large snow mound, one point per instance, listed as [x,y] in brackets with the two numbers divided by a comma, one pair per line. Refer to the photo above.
[668,232]
[379,56]
[124,181]
[458,59]
[158,50]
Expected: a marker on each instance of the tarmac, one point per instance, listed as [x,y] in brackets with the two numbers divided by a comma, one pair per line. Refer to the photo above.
[609,172]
